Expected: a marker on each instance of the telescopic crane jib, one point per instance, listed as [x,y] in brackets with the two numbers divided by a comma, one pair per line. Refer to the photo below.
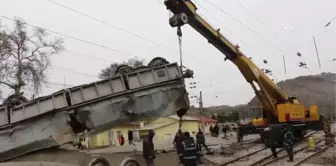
[278,107]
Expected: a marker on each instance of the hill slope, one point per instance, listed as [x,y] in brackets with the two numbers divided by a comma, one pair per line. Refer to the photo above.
[313,89]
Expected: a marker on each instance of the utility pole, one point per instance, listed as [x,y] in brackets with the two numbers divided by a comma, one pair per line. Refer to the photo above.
[64,83]
[284,63]
[317,54]
[201,101]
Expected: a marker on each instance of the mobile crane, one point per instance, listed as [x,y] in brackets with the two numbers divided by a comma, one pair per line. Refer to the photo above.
[278,108]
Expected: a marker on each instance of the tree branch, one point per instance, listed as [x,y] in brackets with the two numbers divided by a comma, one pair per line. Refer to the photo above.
[7,84]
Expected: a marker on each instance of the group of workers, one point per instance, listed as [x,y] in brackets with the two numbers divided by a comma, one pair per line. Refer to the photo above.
[214,130]
[281,136]
[189,150]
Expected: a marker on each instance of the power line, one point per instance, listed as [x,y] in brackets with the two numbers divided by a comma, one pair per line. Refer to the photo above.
[71,70]
[268,41]
[84,74]
[78,39]
[159,1]
[88,42]
[49,82]
[109,24]
[74,71]
[241,23]
[96,44]
[260,21]
[88,55]
[227,28]
[122,29]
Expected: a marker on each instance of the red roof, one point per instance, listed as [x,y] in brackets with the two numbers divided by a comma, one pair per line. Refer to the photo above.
[203,119]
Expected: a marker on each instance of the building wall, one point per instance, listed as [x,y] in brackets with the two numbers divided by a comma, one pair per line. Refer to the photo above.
[95,141]
[109,138]
[124,131]
[168,132]
[190,126]
[206,126]
[162,120]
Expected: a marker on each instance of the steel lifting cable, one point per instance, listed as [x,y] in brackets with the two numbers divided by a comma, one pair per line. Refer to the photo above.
[179,36]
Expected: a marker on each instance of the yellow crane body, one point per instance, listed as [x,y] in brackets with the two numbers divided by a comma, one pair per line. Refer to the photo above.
[278,107]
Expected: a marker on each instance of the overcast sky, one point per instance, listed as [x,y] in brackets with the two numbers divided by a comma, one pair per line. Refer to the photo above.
[286,26]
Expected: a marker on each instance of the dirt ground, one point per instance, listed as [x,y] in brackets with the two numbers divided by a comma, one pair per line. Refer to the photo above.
[68,155]
[83,159]
[328,158]
[75,157]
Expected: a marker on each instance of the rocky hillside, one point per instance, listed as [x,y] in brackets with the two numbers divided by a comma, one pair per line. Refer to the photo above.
[313,89]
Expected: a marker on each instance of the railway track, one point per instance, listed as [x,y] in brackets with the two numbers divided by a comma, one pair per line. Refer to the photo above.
[260,155]
[300,156]
[282,156]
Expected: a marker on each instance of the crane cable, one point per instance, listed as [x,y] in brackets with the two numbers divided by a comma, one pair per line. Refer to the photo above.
[179,36]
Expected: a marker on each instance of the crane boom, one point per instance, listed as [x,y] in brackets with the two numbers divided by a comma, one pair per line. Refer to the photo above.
[267,92]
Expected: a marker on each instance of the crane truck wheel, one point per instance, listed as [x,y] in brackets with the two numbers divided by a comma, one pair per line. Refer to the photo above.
[99,161]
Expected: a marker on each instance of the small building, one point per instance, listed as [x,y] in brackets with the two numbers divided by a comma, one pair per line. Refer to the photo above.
[205,123]
[165,128]
[111,137]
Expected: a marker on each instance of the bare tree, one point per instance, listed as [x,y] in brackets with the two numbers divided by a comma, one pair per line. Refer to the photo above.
[24,57]
[110,71]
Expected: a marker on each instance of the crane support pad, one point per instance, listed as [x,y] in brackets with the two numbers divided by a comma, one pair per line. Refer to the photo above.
[326,126]
[89,109]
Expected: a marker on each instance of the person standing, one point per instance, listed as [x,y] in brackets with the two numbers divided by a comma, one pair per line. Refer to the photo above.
[177,142]
[189,153]
[216,130]
[130,137]
[148,151]
[121,139]
[272,139]
[200,140]
[211,130]
[288,142]
[224,129]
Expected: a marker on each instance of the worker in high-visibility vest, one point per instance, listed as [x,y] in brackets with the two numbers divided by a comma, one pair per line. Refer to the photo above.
[311,143]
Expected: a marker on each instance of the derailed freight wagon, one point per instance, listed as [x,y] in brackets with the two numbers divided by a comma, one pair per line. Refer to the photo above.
[152,91]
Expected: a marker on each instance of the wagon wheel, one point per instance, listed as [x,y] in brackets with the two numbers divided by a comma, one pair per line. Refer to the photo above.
[14,100]
[141,68]
[129,162]
[123,69]
[157,61]
[99,161]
